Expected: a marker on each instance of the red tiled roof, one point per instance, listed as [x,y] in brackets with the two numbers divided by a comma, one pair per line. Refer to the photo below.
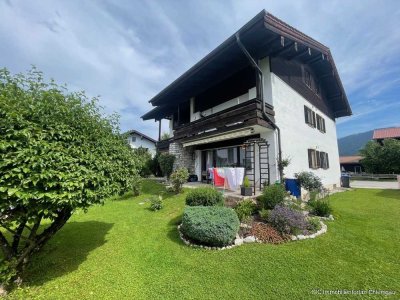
[355,159]
[386,133]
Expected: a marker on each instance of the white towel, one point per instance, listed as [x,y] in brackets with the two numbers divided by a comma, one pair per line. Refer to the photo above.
[239,174]
[230,178]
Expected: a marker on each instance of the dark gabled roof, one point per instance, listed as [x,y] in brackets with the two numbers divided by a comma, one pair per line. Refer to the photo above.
[264,35]
[141,135]
[386,133]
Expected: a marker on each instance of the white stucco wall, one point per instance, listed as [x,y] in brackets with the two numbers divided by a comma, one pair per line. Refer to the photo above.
[297,136]
[142,142]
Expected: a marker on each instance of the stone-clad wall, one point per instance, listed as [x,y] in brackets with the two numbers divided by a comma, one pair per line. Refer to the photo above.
[184,157]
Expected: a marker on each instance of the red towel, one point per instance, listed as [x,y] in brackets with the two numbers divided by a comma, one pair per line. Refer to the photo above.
[218,180]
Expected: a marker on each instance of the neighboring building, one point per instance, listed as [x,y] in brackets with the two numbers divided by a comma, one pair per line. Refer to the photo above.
[137,139]
[386,133]
[351,164]
[268,81]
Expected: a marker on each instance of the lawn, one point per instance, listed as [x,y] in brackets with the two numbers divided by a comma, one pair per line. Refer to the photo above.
[122,250]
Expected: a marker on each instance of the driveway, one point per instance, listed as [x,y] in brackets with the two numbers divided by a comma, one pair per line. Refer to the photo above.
[374,184]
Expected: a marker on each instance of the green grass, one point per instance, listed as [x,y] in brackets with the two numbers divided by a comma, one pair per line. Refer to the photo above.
[122,250]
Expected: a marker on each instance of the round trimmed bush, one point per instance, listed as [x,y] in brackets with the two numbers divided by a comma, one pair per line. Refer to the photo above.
[210,225]
[205,196]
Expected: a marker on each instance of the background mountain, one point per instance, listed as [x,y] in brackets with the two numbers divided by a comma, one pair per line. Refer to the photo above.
[351,144]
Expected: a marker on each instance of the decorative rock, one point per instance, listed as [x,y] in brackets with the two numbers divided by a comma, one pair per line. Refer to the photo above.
[301,237]
[294,238]
[249,239]
[238,241]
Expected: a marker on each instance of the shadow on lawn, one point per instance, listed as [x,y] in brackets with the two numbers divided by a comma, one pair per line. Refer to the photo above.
[173,233]
[395,194]
[66,251]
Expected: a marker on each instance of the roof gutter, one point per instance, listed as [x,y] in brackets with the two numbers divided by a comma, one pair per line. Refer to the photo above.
[260,95]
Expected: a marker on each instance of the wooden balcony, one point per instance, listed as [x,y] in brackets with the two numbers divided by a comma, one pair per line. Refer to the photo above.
[242,115]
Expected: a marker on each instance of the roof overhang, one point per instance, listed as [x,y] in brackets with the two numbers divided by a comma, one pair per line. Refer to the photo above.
[264,35]
[220,137]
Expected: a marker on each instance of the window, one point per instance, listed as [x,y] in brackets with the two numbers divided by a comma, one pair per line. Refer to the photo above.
[307,78]
[309,116]
[320,123]
[133,139]
[317,159]
[312,159]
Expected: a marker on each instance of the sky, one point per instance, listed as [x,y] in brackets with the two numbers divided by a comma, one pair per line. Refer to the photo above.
[128,51]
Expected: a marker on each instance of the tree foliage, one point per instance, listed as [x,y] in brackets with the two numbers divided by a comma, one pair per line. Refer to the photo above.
[166,162]
[58,153]
[381,159]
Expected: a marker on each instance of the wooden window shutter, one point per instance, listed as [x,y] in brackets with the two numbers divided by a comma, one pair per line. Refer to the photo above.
[310,163]
[318,159]
[306,114]
[327,160]
[313,119]
[323,125]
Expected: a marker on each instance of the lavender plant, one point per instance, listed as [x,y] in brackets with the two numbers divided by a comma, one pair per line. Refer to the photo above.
[287,220]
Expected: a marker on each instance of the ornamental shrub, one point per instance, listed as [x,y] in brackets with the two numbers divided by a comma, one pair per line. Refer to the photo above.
[58,153]
[204,196]
[272,196]
[314,224]
[287,220]
[210,225]
[320,208]
[166,162]
[178,178]
[309,181]
[264,213]
[246,182]
[156,203]
[245,209]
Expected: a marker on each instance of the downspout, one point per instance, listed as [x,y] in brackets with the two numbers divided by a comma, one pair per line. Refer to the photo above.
[260,92]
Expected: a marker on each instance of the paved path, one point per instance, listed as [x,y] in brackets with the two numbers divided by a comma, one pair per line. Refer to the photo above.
[374,184]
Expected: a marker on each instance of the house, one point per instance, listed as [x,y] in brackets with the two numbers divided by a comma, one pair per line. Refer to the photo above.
[266,94]
[386,133]
[137,139]
[351,164]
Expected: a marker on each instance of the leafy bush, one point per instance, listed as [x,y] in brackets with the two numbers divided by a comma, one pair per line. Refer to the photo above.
[287,220]
[156,203]
[58,154]
[145,158]
[314,224]
[264,213]
[320,208]
[204,196]
[166,162]
[178,178]
[309,181]
[154,165]
[272,196]
[136,184]
[246,182]
[210,225]
[245,209]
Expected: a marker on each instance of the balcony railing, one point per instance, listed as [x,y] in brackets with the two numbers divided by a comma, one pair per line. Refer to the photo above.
[241,115]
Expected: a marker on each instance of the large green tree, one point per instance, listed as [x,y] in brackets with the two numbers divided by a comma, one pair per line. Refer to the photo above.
[58,153]
[381,158]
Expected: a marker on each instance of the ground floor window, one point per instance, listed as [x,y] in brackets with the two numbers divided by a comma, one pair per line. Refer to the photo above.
[223,157]
[318,159]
